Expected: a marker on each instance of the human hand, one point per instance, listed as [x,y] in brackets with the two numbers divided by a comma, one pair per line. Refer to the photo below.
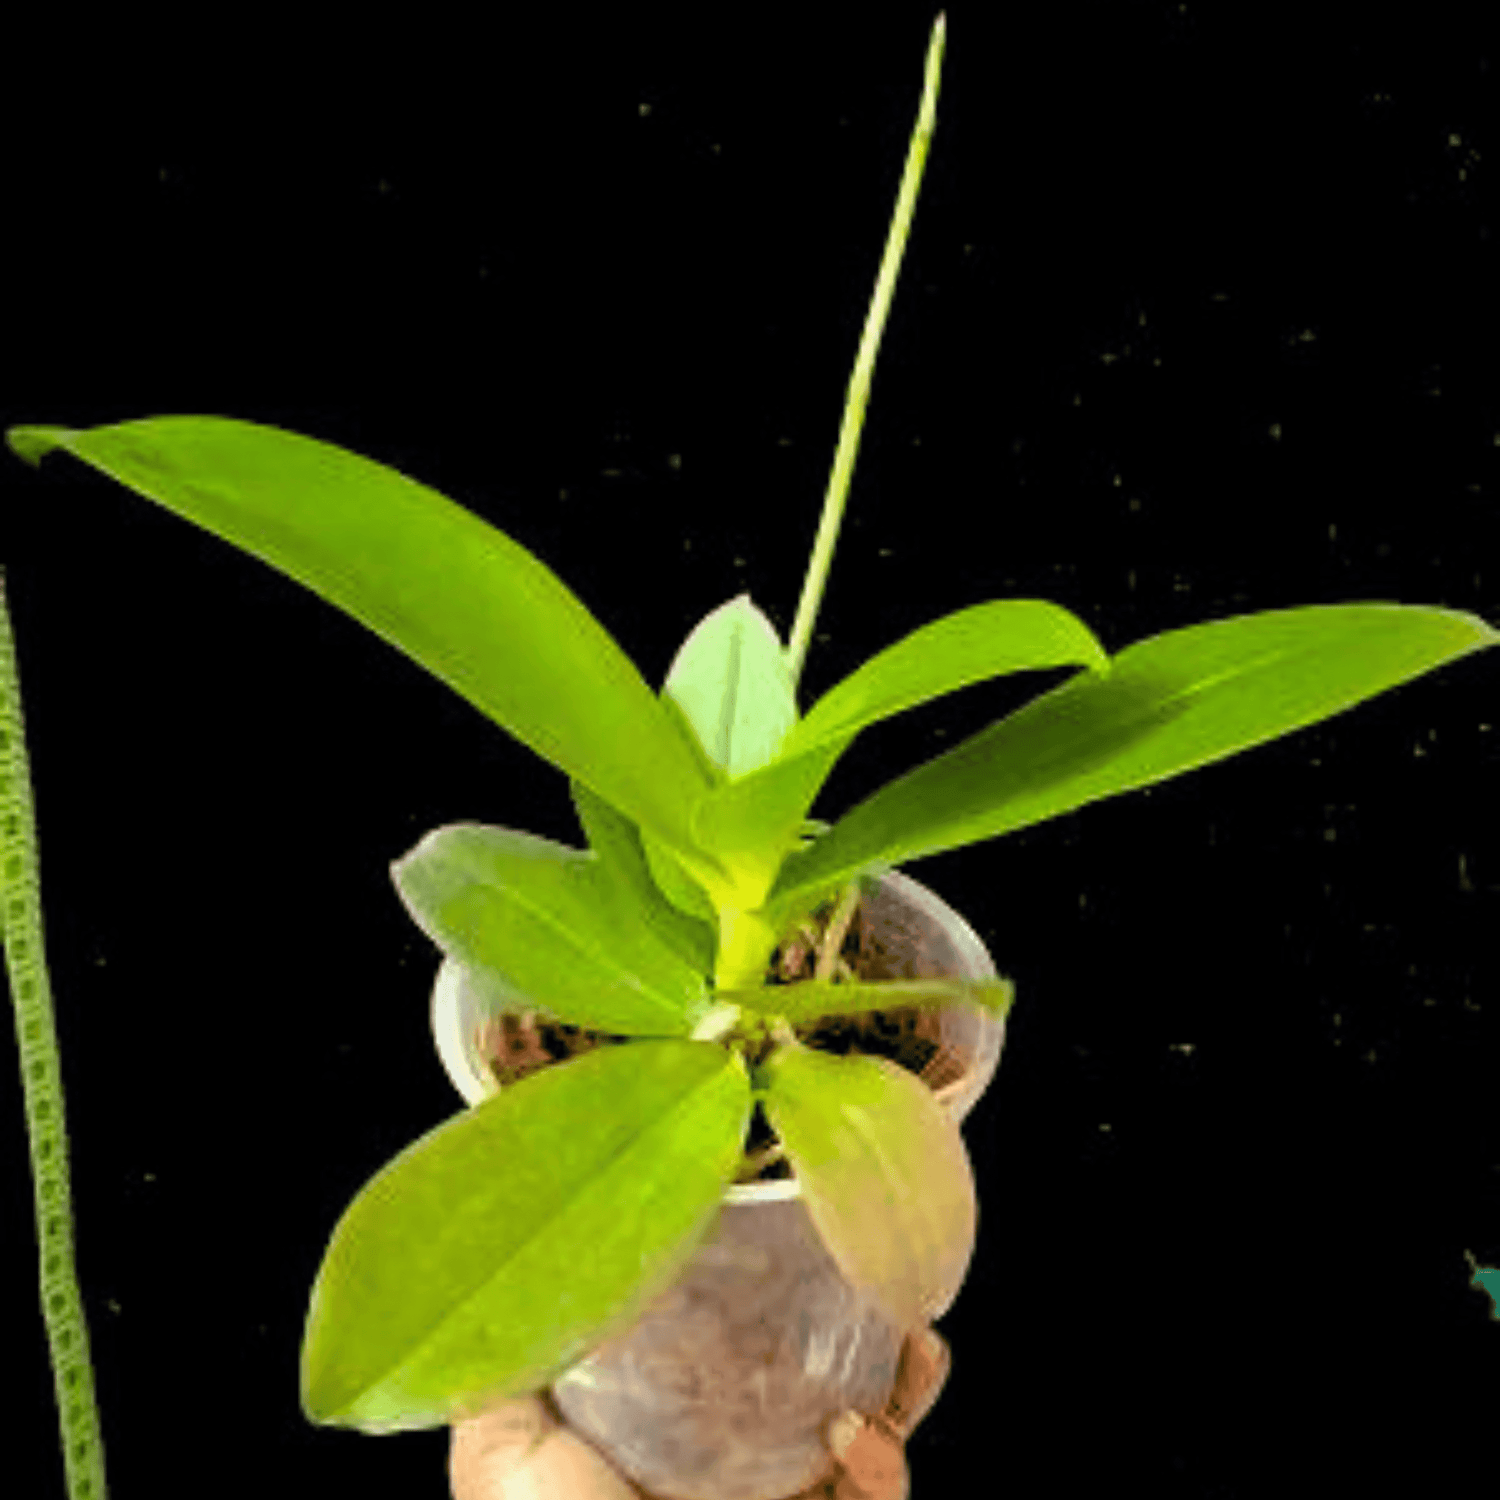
[524,1449]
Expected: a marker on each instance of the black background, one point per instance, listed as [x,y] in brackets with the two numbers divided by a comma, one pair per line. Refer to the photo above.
[1198,319]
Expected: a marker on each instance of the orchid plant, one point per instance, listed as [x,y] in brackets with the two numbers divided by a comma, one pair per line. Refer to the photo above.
[447,1285]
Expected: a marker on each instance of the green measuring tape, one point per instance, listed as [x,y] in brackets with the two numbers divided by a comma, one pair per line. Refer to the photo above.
[41,1078]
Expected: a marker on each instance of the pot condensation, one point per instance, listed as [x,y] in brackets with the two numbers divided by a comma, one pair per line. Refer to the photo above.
[725,1387]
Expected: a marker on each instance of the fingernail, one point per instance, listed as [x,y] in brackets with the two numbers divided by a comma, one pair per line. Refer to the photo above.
[843,1432]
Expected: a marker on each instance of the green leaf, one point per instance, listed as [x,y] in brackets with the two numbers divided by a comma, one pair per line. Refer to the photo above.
[1171,703]
[751,824]
[884,1174]
[617,842]
[971,645]
[559,925]
[454,594]
[808,999]
[675,882]
[500,1248]
[731,681]
[711,774]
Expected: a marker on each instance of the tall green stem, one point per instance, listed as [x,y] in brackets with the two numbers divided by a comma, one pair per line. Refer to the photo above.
[41,1078]
[858,396]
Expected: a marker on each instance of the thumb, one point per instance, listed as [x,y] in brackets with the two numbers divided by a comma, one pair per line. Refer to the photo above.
[871,1456]
[842,1433]
[518,1450]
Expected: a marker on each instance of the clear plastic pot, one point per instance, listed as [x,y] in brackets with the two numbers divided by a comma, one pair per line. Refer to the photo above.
[725,1387]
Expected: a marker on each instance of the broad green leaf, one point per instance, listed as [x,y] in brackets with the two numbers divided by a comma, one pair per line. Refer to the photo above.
[617,842]
[1170,703]
[971,645]
[731,681]
[557,924]
[457,596]
[500,1248]
[808,999]
[884,1174]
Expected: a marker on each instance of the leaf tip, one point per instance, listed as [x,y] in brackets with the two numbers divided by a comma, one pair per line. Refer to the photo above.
[1488,634]
[31,443]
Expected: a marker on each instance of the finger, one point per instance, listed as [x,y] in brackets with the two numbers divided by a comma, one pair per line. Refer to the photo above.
[519,1451]
[872,1463]
[925,1364]
[486,1449]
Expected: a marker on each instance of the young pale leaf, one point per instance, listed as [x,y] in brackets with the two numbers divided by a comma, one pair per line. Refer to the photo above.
[617,842]
[1171,703]
[971,645]
[559,925]
[711,774]
[808,999]
[498,1249]
[884,1174]
[457,596]
[731,681]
